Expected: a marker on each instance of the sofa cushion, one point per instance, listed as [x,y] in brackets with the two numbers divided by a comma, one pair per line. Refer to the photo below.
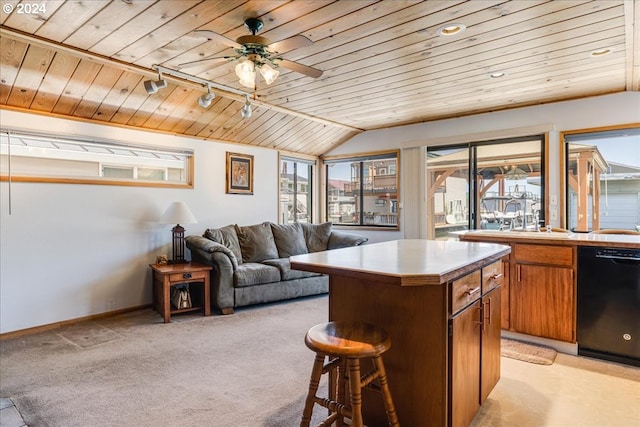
[317,236]
[289,239]
[256,242]
[253,273]
[286,272]
[226,236]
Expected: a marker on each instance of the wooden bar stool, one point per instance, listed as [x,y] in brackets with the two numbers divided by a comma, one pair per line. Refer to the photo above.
[345,343]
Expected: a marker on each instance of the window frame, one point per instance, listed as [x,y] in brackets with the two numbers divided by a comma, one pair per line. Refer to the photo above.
[362,158]
[312,163]
[563,164]
[98,179]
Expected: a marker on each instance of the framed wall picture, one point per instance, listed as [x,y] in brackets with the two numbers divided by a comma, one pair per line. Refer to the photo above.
[239,173]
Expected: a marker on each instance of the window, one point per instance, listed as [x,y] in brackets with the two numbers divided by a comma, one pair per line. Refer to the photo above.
[363,190]
[506,194]
[602,179]
[295,190]
[36,157]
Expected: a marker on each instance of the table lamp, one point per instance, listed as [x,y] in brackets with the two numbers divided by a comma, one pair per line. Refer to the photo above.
[178,212]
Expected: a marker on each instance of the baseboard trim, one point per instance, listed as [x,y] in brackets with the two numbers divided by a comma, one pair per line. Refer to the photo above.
[58,325]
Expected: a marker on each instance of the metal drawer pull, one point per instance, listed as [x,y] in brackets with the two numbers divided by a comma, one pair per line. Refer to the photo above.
[496,276]
[186,275]
[472,291]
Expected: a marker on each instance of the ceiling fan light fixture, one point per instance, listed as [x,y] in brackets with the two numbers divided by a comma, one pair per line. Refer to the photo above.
[205,100]
[268,73]
[246,72]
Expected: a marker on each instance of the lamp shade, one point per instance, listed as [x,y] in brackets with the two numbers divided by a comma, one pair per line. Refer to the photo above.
[178,213]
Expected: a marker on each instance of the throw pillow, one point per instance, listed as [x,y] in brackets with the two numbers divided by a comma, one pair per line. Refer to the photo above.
[317,236]
[289,239]
[226,236]
[256,242]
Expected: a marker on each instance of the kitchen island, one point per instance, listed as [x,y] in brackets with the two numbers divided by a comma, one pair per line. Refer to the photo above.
[440,303]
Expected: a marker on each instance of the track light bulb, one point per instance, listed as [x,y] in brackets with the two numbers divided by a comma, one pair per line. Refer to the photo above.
[151,86]
[205,100]
[246,109]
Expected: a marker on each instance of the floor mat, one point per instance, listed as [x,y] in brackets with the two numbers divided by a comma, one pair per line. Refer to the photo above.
[527,352]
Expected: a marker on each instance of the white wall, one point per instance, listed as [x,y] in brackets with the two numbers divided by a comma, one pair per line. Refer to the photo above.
[606,110]
[68,250]
[73,250]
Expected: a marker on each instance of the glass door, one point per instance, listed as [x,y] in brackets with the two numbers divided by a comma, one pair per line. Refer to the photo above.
[493,185]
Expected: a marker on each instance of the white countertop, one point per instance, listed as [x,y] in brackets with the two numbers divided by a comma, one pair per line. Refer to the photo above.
[583,239]
[414,261]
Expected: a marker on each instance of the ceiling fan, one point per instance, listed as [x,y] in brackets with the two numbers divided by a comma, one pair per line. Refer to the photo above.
[257,54]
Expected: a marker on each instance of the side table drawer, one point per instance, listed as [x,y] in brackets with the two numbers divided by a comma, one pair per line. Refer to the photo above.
[196,275]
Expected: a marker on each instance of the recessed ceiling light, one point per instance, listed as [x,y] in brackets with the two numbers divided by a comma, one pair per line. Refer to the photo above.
[451,29]
[497,74]
[601,52]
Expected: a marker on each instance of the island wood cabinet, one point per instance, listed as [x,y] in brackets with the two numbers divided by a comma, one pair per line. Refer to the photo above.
[543,291]
[435,299]
[474,341]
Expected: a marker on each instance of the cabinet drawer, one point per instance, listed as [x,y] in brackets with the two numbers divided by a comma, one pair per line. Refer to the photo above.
[491,276]
[542,254]
[187,276]
[464,291]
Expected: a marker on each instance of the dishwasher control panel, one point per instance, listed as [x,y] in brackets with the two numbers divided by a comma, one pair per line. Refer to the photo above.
[617,253]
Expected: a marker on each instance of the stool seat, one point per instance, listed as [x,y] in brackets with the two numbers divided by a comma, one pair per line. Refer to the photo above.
[348,339]
[345,343]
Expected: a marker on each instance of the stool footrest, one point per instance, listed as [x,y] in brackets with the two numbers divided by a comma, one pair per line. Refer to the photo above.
[369,378]
[333,406]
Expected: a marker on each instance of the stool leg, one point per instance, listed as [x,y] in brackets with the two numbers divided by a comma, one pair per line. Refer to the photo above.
[355,392]
[386,393]
[316,373]
[340,398]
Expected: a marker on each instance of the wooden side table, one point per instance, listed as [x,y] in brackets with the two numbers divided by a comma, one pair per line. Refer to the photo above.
[167,275]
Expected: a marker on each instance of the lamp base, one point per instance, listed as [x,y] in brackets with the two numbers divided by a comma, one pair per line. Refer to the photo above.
[178,261]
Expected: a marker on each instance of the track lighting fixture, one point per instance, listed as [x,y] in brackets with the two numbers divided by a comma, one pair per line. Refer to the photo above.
[153,86]
[205,100]
[246,109]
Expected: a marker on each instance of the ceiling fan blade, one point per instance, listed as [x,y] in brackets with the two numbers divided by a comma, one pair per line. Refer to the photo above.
[299,68]
[213,36]
[205,60]
[289,44]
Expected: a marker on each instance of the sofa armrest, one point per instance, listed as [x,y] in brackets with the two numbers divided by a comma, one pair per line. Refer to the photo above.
[224,263]
[339,239]
[209,246]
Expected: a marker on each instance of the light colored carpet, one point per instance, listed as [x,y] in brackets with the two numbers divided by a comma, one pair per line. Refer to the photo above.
[251,369]
[248,369]
[526,352]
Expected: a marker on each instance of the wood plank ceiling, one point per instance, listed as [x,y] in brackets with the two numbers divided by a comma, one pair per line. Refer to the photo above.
[383,63]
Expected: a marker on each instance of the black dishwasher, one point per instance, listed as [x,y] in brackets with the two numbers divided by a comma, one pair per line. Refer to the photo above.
[609,304]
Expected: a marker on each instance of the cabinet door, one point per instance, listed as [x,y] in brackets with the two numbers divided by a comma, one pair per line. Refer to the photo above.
[542,302]
[490,344]
[464,389]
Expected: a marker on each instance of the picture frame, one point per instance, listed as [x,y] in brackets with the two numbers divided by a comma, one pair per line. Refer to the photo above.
[239,176]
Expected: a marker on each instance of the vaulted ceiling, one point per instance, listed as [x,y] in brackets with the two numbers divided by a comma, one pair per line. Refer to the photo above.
[384,63]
